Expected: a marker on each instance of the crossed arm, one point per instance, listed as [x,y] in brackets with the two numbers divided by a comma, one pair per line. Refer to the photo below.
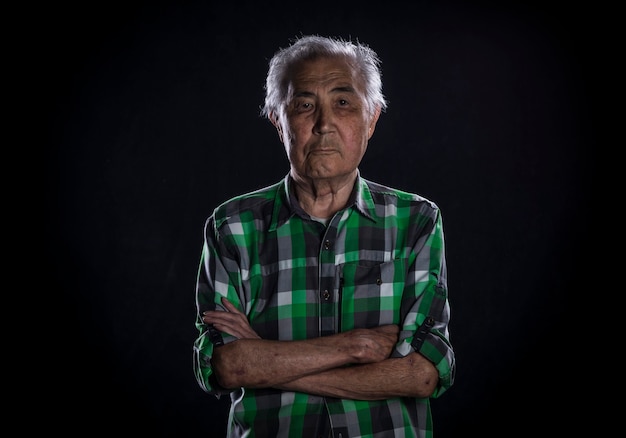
[353,364]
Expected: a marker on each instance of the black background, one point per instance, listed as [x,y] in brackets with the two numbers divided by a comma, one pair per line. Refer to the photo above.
[152,119]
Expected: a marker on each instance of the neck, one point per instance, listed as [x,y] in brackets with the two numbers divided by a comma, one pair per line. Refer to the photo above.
[323,197]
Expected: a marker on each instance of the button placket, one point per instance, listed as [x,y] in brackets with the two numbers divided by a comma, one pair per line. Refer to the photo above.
[328,305]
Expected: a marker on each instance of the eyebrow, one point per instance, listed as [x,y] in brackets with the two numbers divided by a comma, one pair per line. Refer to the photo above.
[342,89]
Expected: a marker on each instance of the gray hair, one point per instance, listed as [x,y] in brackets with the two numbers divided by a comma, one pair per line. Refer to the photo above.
[359,55]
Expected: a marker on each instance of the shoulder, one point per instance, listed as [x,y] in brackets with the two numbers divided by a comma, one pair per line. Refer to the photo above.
[248,206]
[383,195]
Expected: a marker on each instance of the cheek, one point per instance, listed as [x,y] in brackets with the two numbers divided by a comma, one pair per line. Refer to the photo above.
[291,140]
[357,136]
[298,135]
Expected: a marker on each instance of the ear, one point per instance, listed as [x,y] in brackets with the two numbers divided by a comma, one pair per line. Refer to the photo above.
[276,122]
[372,126]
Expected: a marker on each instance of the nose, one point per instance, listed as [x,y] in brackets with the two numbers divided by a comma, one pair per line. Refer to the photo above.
[323,120]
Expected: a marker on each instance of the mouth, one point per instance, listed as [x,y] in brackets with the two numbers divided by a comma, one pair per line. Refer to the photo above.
[322,153]
[322,149]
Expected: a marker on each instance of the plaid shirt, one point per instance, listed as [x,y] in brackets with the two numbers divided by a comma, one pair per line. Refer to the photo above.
[379,261]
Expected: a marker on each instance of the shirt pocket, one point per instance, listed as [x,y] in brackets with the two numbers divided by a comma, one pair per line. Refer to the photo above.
[371,294]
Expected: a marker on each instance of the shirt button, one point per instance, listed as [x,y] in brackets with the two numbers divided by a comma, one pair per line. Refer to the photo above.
[379,281]
[326,295]
[326,244]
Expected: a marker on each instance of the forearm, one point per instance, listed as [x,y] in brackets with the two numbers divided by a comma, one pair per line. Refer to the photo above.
[258,363]
[411,376]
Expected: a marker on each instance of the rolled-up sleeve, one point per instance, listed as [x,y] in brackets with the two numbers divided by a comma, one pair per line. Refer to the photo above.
[213,282]
[425,326]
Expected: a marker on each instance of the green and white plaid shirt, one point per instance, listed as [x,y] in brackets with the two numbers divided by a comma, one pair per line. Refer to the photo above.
[379,261]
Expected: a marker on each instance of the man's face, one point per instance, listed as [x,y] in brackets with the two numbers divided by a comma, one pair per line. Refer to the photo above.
[326,125]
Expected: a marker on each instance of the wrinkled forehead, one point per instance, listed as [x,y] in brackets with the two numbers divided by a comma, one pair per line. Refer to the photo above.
[324,71]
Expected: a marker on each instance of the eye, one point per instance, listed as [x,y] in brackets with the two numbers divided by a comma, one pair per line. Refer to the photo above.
[304,107]
[343,102]
[300,106]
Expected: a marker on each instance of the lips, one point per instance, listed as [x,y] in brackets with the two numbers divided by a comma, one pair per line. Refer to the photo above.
[322,149]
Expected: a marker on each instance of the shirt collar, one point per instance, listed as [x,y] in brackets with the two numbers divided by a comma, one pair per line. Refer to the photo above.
[286,204]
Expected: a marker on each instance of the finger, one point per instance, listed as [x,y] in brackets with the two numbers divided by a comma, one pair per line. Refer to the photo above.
[392,329]
[220,316]
[238,331]
[229,306]
[226,319]
[231,324]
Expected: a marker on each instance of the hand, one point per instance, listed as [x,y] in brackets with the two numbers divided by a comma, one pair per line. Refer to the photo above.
[232,321]
[373,345]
